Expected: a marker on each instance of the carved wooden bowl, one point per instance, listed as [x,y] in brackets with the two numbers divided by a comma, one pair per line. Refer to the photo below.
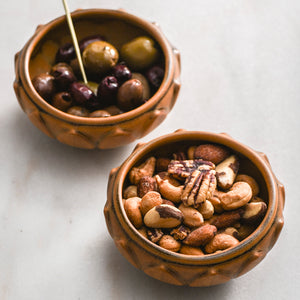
[119,27]
[180,269]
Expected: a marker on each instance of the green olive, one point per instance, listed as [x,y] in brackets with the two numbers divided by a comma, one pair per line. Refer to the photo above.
[99,57]
[140,53]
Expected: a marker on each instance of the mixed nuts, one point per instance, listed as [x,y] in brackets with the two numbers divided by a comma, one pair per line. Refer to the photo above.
[194,202]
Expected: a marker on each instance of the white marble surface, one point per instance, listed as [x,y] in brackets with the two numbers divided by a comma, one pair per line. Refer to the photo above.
[240,75]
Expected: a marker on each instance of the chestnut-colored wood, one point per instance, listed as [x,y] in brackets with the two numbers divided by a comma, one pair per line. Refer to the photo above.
[180,269]
[118,27]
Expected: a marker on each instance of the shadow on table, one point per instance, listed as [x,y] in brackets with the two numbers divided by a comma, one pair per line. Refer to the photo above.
[51,153]
[125,279]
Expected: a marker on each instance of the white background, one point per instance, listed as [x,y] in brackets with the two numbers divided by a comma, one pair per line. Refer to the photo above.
[240,75]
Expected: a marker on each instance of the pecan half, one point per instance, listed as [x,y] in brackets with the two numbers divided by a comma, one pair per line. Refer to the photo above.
[182,169]
[180,233]
[199,186]
[154,234]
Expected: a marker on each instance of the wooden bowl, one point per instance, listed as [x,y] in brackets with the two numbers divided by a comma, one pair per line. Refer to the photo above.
[180,269]
[119,27]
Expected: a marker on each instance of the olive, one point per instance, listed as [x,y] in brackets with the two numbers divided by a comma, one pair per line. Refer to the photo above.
[121,72]
[65,53]
[99,57]
[63,75]
[144,81]
[140,53]
[88,40]
[78,111]
[81,93]
[99,113]
[107,90]
[130,95]
[44,85]
[155,76]
[62,101]
[92,85]
[74,64]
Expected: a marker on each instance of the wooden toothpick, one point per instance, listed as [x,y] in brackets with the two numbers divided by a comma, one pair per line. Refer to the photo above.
[75,41]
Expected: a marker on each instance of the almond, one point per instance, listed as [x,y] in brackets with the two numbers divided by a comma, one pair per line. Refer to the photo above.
[201,235]
[211,152]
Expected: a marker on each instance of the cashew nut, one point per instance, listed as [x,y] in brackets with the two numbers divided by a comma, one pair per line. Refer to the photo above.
[221,241]
[239,195]
[145,169]
[168,189]
[216,202]
[251,181]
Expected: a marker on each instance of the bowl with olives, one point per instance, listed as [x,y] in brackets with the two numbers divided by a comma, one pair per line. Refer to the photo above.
[133,79]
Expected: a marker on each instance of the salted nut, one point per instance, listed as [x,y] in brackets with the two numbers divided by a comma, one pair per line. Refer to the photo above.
[221,241]
[226,172]
[251,181]
[206,209]
[201,235]
[132,208]
[180,233]
[254,212]
[145,185]
[210,152]
[181,169]
[190,205]
[130,191]
[145,169]
[170,188]
[199,186]
[227,219]
[169,243]
[154,234]
[239,195]
[191,216]
[188,250]
[163,216]
[150,200]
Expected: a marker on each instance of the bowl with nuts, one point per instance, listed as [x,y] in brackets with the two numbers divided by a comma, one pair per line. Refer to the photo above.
[132,79]
[194,208]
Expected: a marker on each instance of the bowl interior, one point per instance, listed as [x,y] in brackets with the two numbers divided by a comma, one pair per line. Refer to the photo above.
[250,164]
[116,29]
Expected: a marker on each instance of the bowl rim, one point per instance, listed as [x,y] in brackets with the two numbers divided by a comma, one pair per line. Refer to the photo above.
[151,28]
[219,138]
